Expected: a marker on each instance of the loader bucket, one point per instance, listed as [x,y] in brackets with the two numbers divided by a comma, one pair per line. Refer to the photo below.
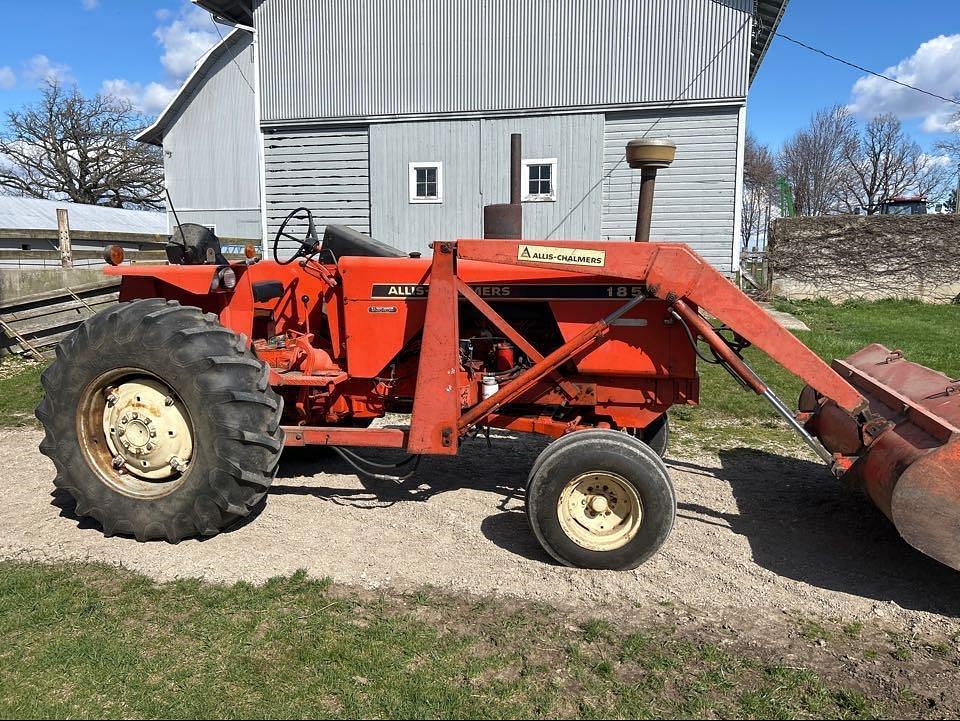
[911,471]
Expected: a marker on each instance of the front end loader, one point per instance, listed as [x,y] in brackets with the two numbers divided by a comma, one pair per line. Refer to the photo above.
[166,415]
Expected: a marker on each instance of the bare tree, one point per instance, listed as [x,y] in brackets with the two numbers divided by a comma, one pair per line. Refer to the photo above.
[951,144]
[883,163]
[813,161]
[81,149]
[759,182]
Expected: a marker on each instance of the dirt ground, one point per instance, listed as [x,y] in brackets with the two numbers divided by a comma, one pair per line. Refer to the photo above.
[762,542]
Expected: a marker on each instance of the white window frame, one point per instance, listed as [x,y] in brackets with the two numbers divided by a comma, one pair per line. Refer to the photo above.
[412,181]
[525,195]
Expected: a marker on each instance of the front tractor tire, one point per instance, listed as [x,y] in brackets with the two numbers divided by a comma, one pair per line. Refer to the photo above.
[160,422]
[600,499]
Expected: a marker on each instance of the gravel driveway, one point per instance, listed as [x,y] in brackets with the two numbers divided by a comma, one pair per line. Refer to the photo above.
[755,531]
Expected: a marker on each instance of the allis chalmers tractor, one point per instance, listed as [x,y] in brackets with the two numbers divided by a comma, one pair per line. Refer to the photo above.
[166,415]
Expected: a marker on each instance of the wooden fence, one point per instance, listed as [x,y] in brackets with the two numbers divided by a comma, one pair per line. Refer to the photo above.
[33,325]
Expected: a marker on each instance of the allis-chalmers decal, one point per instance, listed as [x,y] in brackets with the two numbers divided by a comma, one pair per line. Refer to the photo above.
[563,256]
[518,292]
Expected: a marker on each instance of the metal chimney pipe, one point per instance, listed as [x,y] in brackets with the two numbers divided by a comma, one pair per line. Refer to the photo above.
[649,155]
[515,162]
[505,220]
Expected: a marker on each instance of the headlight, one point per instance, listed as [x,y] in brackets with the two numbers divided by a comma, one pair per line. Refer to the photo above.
[225,278]
[228,278]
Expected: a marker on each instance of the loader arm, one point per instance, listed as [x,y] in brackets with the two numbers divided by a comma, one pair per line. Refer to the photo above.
[674,273]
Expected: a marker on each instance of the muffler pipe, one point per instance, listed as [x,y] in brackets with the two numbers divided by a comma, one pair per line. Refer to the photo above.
[649,155]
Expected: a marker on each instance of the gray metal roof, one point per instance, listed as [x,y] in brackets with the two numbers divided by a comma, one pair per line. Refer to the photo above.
[154,134]
[32,214]
[765,21]
[235,11]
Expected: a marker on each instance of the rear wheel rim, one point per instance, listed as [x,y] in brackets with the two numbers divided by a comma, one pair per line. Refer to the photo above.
[135,433]
[600,511]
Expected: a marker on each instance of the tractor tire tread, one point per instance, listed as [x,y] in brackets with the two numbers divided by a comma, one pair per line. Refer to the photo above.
[225,388]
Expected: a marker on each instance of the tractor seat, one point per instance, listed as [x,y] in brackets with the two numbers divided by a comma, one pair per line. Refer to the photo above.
[343,241]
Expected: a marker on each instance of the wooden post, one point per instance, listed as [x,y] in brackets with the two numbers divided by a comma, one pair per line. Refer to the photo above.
[63,226]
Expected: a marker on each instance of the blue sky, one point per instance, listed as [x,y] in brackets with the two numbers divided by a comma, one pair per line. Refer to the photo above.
[878,34]
[143,49]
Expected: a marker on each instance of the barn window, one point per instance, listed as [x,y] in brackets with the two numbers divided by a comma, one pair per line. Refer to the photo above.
[540,179]
[426,182]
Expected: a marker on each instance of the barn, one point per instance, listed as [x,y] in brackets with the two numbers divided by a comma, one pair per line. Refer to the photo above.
[395,117]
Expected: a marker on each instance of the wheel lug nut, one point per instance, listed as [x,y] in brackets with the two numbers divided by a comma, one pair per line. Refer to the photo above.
[150,446]
[135,415]
[121,431]
[153,432]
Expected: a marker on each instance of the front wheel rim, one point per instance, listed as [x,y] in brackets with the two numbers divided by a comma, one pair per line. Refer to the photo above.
[600,511]
[136,433]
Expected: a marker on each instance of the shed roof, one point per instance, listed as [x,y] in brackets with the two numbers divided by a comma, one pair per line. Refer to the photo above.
[154,134]
[31,214]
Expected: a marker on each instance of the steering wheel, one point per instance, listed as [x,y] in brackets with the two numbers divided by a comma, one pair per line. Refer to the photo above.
[308,245]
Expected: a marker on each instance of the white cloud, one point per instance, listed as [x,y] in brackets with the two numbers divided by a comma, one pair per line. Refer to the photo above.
[7,78]
[40,69]
[91,4]
[932,161]
[150,99]
[185,40]
[935,66]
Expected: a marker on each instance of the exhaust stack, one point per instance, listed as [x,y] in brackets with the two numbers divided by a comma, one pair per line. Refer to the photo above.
[504,221]
[649,155]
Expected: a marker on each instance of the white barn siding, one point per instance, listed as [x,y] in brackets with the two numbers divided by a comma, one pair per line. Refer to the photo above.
[411,226]
[332,60]
[576,141]
[211,156]
[694,201]
[323,169]
[476,170]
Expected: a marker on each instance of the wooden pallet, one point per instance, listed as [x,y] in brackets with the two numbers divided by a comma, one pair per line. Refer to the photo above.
[32,325]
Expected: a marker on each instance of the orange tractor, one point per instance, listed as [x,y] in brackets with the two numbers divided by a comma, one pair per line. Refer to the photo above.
[166,415]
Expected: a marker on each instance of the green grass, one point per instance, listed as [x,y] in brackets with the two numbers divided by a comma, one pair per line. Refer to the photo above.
[926,332]
[20,392]
[729,416]
[90,641]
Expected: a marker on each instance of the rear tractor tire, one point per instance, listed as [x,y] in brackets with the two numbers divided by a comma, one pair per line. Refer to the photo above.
[600,499]
[160,422]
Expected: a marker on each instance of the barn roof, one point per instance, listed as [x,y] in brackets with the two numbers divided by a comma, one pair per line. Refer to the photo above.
[767,16]
[154,134]
[239,12]
[32,214]
[765,21]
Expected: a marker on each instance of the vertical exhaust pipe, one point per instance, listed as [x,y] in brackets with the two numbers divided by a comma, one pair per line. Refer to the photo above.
[649,155]
[504,221]
[515,162]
